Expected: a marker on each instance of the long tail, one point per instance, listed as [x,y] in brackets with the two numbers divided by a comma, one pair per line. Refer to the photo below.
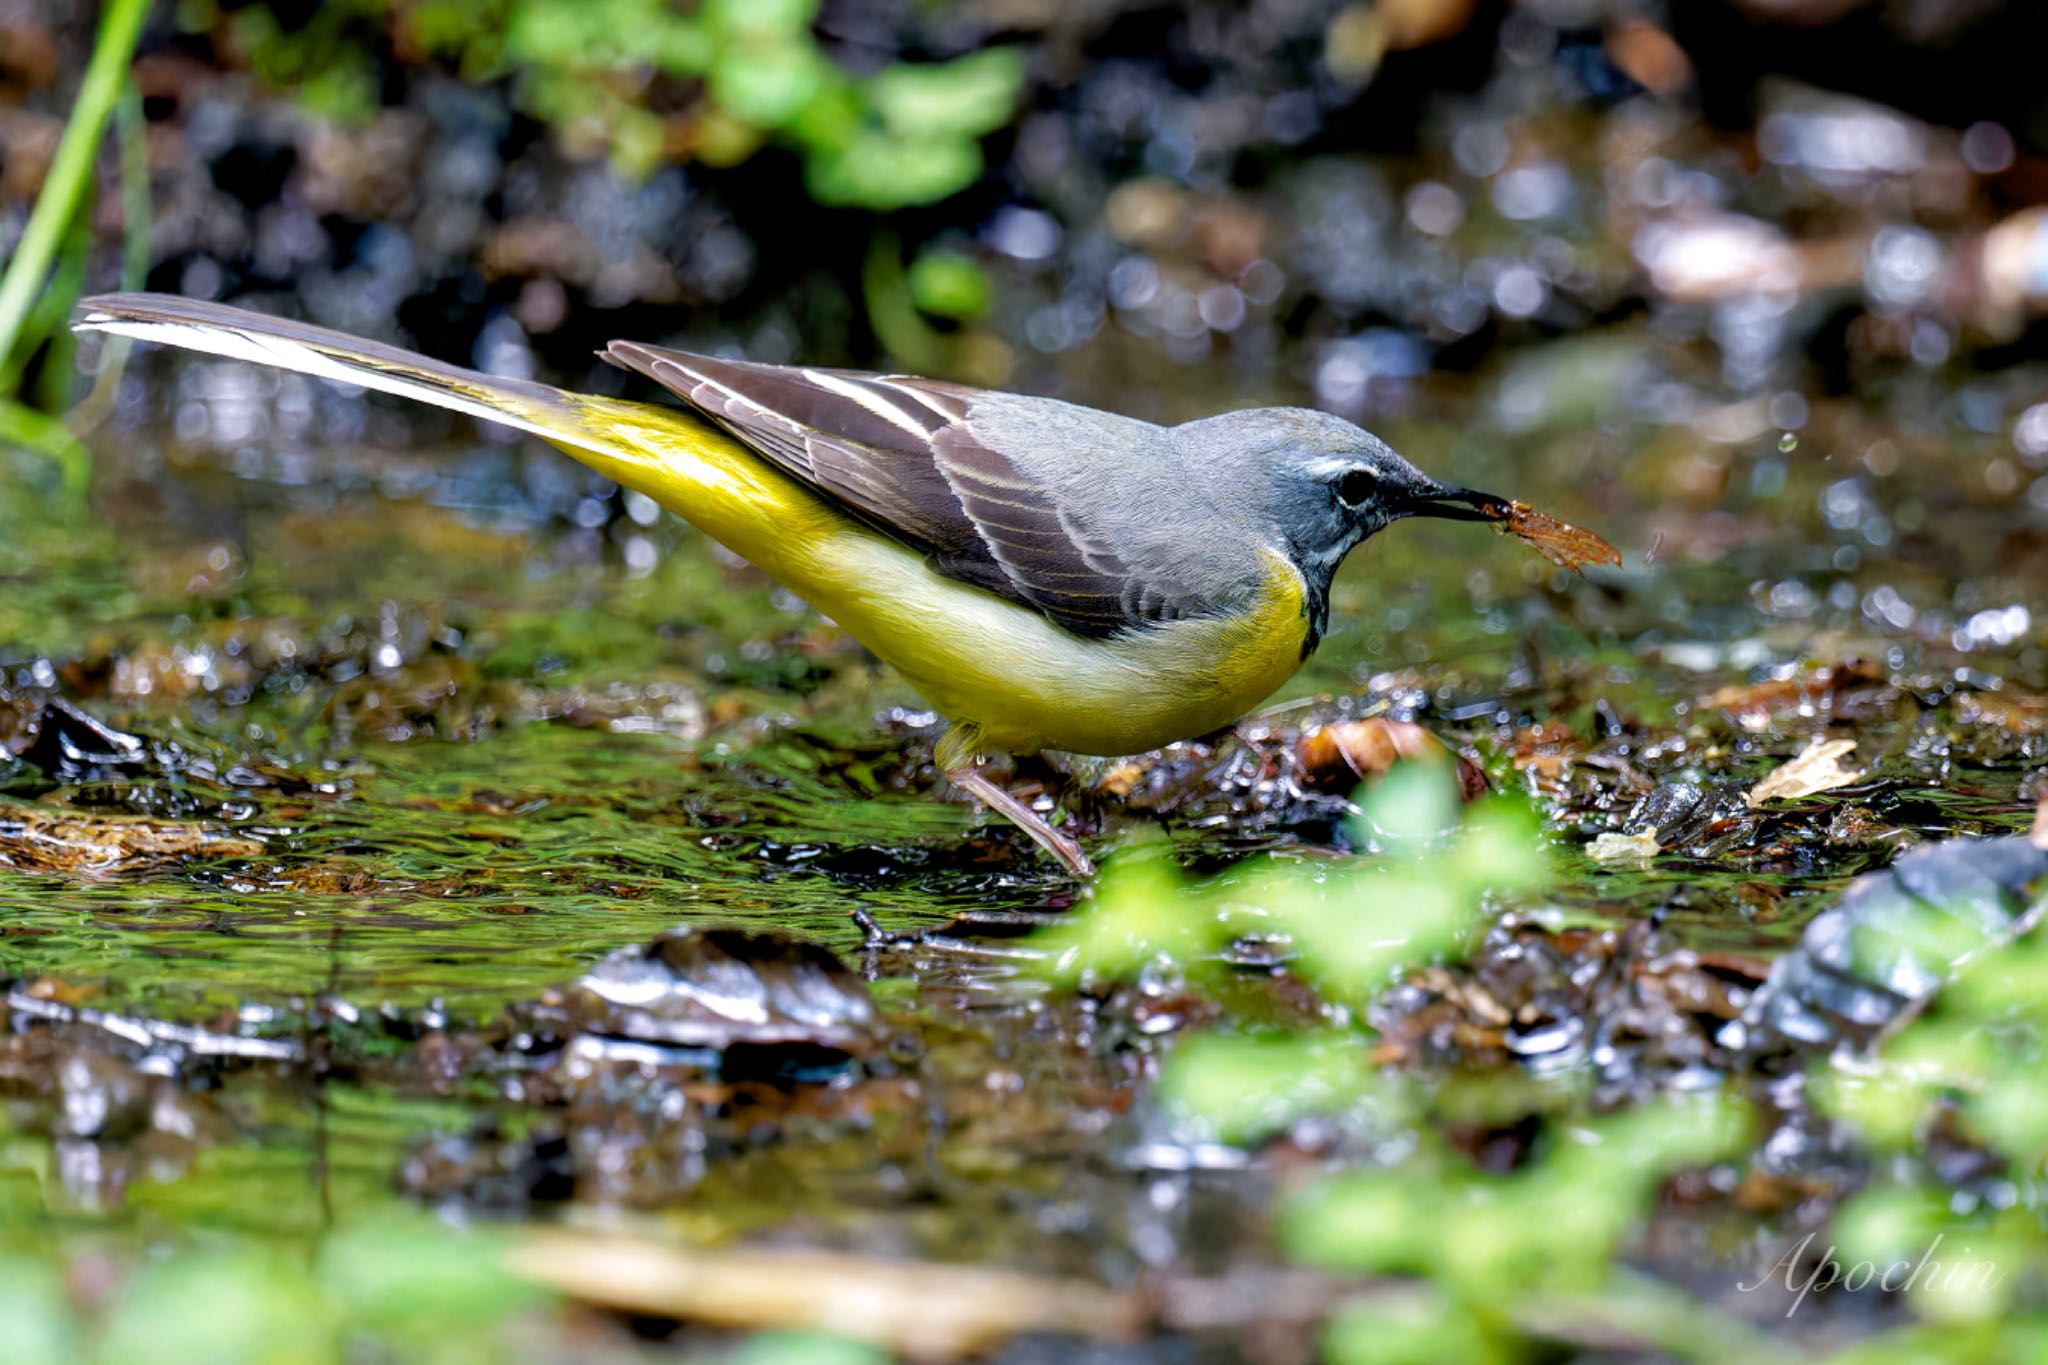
[675,457]
[237,333]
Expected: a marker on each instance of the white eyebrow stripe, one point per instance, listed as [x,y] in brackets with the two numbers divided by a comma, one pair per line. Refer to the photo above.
[873,402]
[1339,464]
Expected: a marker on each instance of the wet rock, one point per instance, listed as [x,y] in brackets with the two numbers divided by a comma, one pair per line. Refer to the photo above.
[724,987]
[72,746]
[1688,815]
[1642,1015]
[99,1096]
[1893,939]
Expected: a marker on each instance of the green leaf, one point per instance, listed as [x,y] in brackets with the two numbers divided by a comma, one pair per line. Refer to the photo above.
[767,86]
[413,1277]
[1244,1088]
[883,171]
[604,34]
[1425,1331]
[1143,910]
[949,285]
[36,1321]
[806,1348]
[244,1307]
[760,22]
[833,116]
[966,97]
[1415,800]
[1365,1221]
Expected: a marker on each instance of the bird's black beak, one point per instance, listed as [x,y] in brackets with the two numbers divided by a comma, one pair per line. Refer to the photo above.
[1433,499]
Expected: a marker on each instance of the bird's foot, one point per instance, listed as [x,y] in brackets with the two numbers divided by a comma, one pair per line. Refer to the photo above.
[1061,846]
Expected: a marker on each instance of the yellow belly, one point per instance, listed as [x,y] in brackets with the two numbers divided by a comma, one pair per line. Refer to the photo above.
[1011,678]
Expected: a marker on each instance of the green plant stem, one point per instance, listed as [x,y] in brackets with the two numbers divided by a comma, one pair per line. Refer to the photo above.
[71,169]
[46,316]
[47,322]
[1637,1310]
[892,314]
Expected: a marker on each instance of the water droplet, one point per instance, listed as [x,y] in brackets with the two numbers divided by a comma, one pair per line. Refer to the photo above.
[1788,443]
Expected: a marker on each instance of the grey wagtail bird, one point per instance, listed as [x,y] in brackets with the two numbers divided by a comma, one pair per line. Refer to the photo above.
[1047,576]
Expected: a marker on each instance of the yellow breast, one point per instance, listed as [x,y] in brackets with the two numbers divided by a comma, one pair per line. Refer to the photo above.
[1027,684]
[988,665]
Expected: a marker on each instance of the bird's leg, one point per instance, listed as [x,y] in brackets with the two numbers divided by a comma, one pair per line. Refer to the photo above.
[1064,847]
[958,756]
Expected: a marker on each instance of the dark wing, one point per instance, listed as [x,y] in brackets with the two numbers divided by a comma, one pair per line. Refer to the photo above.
[900,453]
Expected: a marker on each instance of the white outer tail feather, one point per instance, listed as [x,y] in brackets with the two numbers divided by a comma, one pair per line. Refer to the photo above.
[241,335]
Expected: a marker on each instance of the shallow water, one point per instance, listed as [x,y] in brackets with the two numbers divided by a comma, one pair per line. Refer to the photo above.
[549,724]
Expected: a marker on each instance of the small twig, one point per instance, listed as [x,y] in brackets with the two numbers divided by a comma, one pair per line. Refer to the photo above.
[920,1309]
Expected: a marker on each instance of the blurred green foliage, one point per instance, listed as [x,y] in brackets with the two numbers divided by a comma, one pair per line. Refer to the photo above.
[806,1348]
[612,74]
[1486,1253]
[1969,1070]
[1352,923]
[396,1286]
[1485,1266]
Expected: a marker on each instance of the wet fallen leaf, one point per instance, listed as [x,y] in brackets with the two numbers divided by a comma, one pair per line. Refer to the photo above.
[1649,56]
[40,839]
[71,745]
[1547,750]
[1820,767]
[2019,712]
[1417,23]
[1120,780]
[1850,689]
[1340,756]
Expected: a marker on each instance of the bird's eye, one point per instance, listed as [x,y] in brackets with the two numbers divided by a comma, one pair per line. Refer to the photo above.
[1356,486]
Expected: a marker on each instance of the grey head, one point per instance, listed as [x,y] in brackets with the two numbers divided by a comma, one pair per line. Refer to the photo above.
[1322,485]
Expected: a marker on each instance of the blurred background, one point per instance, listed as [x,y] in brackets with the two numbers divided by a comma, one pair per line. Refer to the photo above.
[1168,208]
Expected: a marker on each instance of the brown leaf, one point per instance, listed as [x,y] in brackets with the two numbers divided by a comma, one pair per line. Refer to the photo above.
[1854,685]
[1340,756]
[1821,766]
[40,839]
[2022,713]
